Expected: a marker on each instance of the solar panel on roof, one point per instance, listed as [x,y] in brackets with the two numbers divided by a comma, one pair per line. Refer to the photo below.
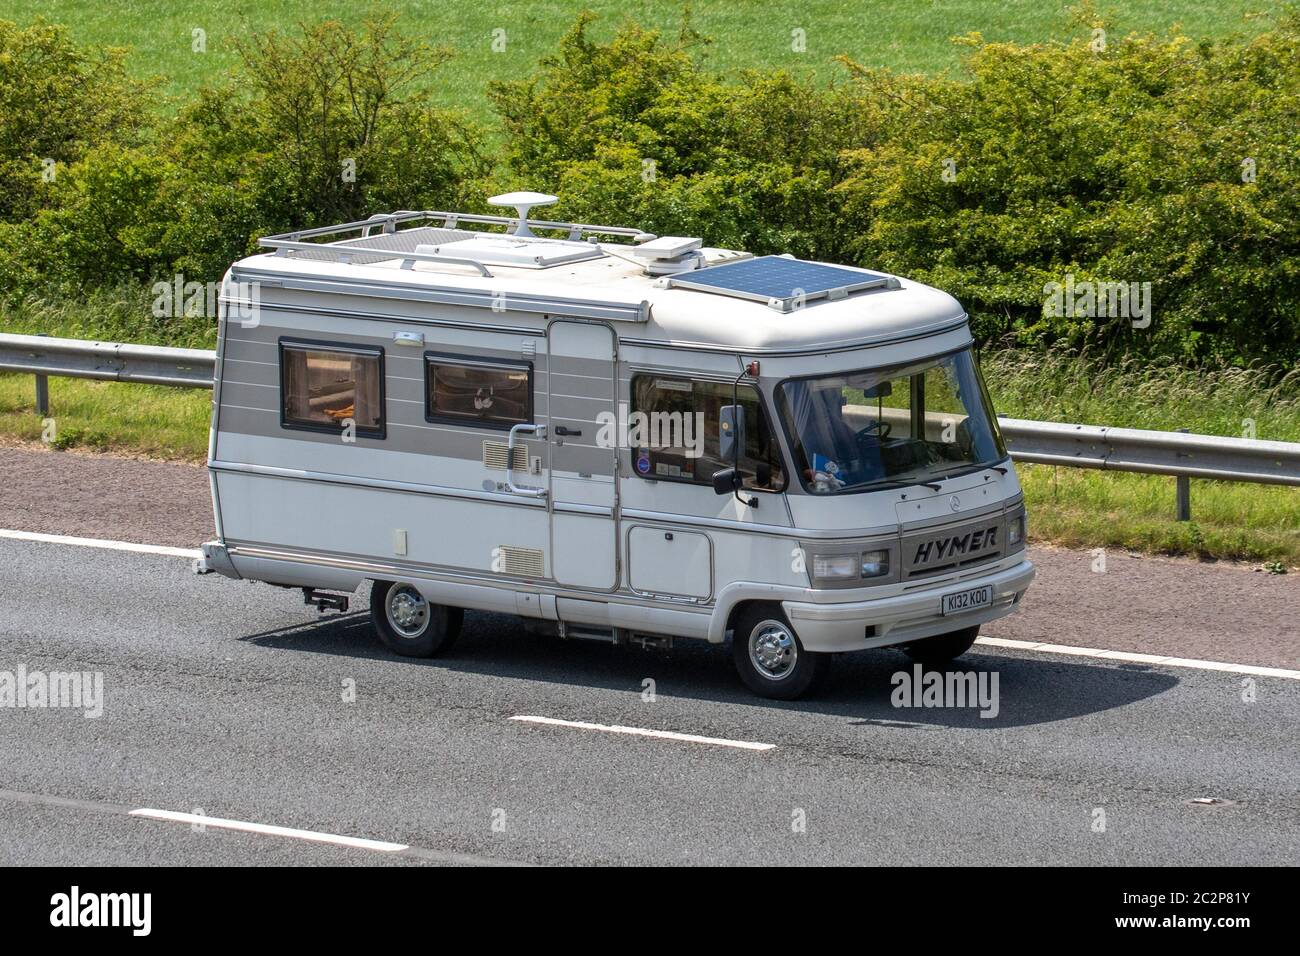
[780,282]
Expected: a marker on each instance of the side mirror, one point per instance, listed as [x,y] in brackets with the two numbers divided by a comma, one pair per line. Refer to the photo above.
[731,431]
[728,481]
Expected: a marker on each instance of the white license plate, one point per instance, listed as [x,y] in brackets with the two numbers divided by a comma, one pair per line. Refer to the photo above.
[971,600]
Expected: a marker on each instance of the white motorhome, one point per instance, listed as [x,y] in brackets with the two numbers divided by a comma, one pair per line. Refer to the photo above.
[613,436]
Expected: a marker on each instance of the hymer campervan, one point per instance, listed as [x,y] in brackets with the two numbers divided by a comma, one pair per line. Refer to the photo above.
[613,435]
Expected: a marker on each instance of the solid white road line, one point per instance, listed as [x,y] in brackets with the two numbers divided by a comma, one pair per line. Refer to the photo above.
[312,836]
[101,543]
[643,732]
[1105,655]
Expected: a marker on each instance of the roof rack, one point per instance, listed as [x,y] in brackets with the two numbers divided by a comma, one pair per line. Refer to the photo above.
[575,230]
[370,246]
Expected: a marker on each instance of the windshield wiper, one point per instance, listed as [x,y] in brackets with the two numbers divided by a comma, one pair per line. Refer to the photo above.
[960,470]
[957,473]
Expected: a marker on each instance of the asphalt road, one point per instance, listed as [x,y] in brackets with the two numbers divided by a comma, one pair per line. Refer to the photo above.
[227,699]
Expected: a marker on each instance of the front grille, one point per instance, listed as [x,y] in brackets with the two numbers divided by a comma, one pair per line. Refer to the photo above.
[953,547]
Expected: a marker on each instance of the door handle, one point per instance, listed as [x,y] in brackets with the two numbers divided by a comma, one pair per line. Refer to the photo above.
[562,431]
[540,432]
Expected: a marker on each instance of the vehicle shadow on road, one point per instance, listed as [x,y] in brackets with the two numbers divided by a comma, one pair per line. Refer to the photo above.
[1006,690]
[864,688]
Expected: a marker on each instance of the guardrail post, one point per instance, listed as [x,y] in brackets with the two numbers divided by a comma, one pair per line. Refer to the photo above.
[43,390]
[1183,493]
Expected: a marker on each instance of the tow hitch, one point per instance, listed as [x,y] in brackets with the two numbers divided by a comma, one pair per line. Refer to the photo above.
[325,602]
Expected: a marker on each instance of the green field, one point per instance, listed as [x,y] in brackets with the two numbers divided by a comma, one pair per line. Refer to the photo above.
[906,35]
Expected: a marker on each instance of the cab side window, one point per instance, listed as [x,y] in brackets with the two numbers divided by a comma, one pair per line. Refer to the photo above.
[674,433]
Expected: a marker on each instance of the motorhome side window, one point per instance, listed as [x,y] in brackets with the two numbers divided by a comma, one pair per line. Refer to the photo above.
[481,393]
[331,387]
[676,436]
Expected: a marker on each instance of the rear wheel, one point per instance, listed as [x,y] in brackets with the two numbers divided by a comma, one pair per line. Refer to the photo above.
[770,658]
[942,648]
[409,624]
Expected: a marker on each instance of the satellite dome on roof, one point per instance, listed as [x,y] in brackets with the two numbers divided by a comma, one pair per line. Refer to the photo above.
[523,201]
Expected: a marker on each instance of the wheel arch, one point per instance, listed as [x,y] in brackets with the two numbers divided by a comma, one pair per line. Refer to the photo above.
[734,598]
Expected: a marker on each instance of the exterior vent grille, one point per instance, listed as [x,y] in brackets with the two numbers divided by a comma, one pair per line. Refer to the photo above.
[494,456]
[528,562]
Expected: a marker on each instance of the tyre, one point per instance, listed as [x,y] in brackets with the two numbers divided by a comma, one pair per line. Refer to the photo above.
[408,624]
[769,656]
[942,648]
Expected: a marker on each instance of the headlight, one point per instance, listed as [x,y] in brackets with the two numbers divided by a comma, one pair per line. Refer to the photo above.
[875,563]
[1016,530]
[835,567]
[846,569]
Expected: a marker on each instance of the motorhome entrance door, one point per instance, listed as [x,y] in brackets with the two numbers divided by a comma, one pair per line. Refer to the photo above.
[581,380]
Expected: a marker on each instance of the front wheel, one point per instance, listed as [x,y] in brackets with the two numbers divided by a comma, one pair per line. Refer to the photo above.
[942,648]
[408,624]
[770,658]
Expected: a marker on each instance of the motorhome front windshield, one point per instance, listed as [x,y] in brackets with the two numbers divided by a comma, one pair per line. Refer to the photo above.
[863,430]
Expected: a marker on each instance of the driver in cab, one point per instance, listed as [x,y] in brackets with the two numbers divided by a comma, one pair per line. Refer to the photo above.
[839,452]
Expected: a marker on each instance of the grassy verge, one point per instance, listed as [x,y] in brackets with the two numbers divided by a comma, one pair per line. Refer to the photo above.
[1069,506]
[1083,508]
[1080,508]
[123,314]
[1057,387]
[147,420]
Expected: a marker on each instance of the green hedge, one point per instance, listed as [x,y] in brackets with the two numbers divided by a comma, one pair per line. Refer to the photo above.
[1140,159]
[315,128]
[1114,162]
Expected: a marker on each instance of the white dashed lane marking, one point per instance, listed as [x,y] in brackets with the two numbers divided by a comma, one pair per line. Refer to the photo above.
[290,833]
[644,732]
[257,829]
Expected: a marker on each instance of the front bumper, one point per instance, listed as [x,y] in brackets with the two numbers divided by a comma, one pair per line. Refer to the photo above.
[861,625]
